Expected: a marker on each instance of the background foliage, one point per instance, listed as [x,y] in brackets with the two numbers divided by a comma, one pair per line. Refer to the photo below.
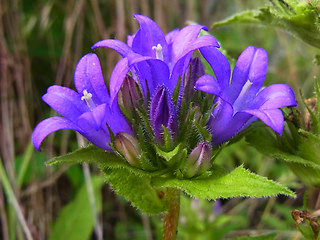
[40,44]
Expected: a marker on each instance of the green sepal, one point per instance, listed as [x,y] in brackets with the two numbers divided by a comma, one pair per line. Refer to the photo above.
[135,188]
[167,139]
[174,157]
[206,135]
[206,116]
[219,184]
[147,159]
[145,122]
[186,128]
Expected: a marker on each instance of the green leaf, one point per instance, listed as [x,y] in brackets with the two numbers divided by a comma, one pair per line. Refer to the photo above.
[75,220]
[269,236]
[263,141]
[307,171]
[298,17]
[306,231]
[309,147]
[90,154]
[303,160]
[24,164]
[135,188]
[317,88]
[104,159]
[239,183]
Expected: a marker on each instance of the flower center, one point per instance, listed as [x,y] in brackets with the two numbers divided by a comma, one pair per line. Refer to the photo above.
[88,98]
[241,100]
[159,54]
[245,89]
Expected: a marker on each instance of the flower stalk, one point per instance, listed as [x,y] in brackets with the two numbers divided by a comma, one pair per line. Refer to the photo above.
[171,217]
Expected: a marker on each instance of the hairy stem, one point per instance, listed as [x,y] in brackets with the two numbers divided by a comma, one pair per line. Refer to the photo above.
[170,218]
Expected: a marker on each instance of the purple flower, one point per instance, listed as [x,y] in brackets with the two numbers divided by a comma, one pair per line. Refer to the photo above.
[243,100]
[154,58]
[198,161]
[192,74]
[162,113]
[87,111]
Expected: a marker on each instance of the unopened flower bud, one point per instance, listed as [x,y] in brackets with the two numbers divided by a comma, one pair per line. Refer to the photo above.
[192,74]
[128,146]
[129,94]
[198,161]
[162,113]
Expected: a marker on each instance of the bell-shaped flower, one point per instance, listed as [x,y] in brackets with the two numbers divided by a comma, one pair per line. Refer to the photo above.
[149,52]
[242,100]
[87,111]
[162,113]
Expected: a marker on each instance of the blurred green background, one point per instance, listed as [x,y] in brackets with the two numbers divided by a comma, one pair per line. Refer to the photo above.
[41,42]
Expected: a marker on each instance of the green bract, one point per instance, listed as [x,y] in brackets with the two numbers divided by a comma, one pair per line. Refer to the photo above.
[145,189]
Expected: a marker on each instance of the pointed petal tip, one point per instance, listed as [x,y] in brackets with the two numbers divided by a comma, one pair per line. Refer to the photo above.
[122,48]
[205,28]
[271,117]
[139,16]
[48,126]
[85,61]
[35,143]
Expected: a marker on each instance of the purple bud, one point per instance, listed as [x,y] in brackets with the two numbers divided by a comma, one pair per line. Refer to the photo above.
[128,146]
[198,161]
[129,94]
[162,113]
[195,70]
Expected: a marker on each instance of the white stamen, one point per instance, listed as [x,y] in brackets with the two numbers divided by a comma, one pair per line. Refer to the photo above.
[87,97]
[245,88]
[159,54]
[238,104]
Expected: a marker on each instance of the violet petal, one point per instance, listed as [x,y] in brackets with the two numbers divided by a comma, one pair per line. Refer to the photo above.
[48,126]
[274,96]
[271,117]
[95,118]
[122,48]
[219,64]
[88,76]
[148,36]
[65,101]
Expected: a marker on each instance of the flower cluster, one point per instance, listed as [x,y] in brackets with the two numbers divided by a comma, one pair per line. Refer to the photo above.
[154,105]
